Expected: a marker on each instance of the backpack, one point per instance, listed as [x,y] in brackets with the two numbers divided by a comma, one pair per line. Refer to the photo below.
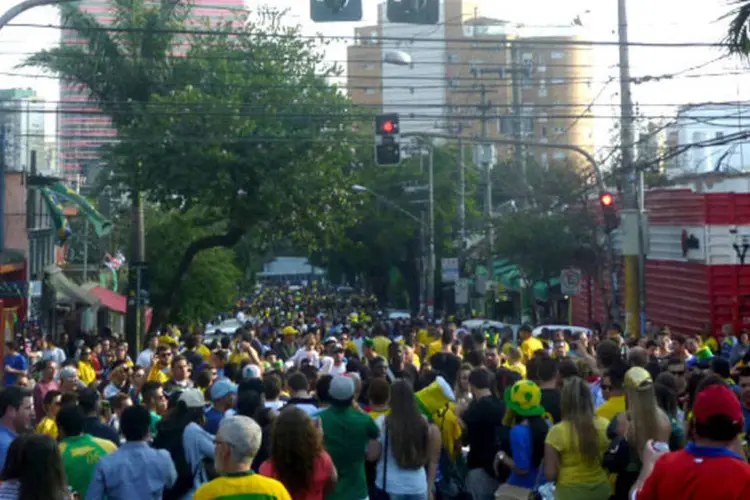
[171,440]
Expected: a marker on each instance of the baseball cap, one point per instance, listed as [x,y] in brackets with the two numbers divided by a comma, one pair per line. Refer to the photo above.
[221,388]
[193,398]
[68,373]
[342,388]
[251,371]
[716,400]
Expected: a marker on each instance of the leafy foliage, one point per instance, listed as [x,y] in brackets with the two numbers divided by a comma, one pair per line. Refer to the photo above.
[549,223]
[738,33]
[241,131]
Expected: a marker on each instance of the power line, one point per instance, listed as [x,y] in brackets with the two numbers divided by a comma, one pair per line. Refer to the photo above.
[296,36]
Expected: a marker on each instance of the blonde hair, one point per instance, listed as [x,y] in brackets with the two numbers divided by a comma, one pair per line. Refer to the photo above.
[578,408]
[646,417]
[514,353]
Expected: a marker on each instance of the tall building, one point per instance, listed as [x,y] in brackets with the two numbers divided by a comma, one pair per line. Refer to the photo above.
[82,129]
[543,78]
[22,118]
[714,124]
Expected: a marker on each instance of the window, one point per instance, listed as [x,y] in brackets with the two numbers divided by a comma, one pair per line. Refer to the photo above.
[544,131]
[542,88]
[374,36]
[557,56]
[527,126]
[545,160]
[453,58]
[541,69]
[505,125]
[369,91]
[719,135]
[557,81]
[542,117]
[368,66]
[559,130]
[411,90]
[558,155]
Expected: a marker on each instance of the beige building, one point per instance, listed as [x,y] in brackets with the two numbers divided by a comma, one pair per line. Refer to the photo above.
[459,62]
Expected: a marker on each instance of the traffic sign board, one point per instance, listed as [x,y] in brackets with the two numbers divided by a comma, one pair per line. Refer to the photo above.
[461,290]
[450,270]
[570,281]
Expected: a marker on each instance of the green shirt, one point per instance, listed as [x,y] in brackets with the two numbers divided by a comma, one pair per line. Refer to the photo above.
[346,434]
[155,419]
[80,455]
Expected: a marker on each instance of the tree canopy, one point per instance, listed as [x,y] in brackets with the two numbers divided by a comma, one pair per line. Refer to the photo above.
[234,124]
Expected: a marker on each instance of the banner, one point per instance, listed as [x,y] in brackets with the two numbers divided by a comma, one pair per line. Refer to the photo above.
[55,208]
[102,226]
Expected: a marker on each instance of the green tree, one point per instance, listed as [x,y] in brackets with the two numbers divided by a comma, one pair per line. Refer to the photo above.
[738,36]
[212,281]
[245,128]
[382,238]
[550,224]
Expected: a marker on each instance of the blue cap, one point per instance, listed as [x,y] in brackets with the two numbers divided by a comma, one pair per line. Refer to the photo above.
[221,388]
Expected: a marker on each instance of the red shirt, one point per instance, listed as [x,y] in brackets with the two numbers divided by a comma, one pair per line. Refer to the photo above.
[686,475]
[322,470]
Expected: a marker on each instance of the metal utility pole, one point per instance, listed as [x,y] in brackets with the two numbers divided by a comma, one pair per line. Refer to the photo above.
[135,314]
[461,205]
[628,171]
[432,267]
[487,169]
[2,183]
[517,112]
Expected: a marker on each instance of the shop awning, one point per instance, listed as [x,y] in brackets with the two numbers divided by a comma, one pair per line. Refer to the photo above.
[107,298]
[67,289]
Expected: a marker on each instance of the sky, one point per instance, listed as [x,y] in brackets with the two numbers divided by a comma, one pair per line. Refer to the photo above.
[683,21]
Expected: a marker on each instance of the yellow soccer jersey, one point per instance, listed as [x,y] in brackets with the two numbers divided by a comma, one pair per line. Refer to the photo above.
[242,486]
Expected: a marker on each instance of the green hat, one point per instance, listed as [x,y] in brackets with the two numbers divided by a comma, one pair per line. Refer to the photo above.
[704,353]
[524,398]
[368,342]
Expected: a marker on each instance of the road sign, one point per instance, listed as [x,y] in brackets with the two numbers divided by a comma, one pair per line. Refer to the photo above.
[449,270]
[570,281]
[461,290]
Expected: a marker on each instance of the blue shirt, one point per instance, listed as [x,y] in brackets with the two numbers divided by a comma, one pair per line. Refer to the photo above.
[133,471]
[522,452]
[6,438]
[213,419]
[198,444]
[14,361]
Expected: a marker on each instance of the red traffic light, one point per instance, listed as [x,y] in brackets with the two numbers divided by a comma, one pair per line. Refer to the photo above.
[388,127]
[606,199]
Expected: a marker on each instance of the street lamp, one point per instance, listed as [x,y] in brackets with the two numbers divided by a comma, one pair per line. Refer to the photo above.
[397,58]
[362,189]
[26,5]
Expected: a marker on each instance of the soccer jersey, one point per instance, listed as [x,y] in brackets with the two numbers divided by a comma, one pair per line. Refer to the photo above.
[242,486]
[80,455]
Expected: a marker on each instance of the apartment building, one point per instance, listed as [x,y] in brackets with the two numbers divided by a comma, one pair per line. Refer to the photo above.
[22,118]
[82,129]
[470,71]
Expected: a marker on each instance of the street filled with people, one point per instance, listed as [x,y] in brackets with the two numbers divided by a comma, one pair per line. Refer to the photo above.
[307,393]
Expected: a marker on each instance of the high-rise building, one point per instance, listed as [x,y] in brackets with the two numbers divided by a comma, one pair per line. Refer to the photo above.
[22,119]
[537,84]
[82,129]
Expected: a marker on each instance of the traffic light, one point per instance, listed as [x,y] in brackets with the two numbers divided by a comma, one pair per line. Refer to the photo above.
[607,201]
[413,11]
[387,145]
[326,11]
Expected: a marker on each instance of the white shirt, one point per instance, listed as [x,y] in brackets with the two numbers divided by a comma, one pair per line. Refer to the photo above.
[303,354]
[144,358]
[398,481]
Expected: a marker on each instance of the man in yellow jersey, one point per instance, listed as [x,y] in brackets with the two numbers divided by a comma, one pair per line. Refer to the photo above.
[529,343]
[237,443]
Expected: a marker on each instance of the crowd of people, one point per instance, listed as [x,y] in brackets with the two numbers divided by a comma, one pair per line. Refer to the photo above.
[318,396]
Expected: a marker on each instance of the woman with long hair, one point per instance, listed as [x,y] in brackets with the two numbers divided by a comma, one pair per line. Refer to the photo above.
[298,459]
[34,470]
[642,421]
[528,431]
[409,444]
[575,446]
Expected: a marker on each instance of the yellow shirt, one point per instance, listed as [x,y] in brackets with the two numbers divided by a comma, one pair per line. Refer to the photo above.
[156,375]
[574,469]
[450,429]
[611,407]
[381,345]
[378,413]
[519,368]
[203,351]
[529,347]
[47,426]
[236,357]
[712,344]
[242,485]
[423,337]
[433,348]
[86,372]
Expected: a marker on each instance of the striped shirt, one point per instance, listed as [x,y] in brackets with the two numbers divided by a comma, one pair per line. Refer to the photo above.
[9,490]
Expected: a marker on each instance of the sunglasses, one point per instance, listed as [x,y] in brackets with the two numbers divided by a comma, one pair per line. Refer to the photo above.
[606,387]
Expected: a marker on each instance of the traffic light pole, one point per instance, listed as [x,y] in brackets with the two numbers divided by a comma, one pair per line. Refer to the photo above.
[432,263]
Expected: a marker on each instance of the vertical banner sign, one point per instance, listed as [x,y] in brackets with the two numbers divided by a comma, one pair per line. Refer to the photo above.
[570,281]
[462,291]
[449,270]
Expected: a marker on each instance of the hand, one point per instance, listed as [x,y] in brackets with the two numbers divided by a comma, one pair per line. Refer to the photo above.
[650,455]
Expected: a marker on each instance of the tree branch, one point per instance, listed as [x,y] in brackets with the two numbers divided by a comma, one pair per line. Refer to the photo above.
[226,240]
